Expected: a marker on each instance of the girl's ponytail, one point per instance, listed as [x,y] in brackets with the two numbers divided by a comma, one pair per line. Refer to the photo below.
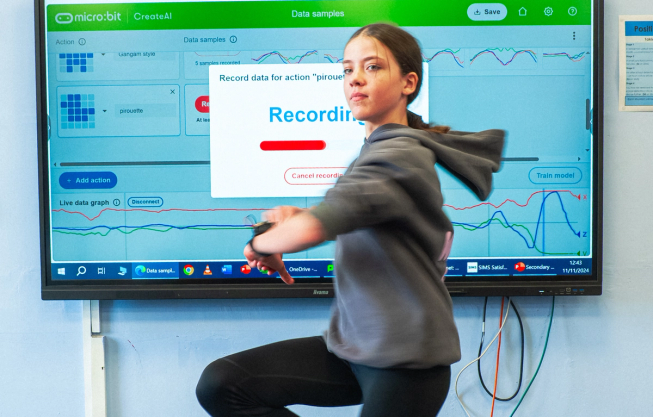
[415,121]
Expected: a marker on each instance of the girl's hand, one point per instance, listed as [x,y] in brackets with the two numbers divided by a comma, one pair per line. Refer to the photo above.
[281,213]
[265,266]
[270,264]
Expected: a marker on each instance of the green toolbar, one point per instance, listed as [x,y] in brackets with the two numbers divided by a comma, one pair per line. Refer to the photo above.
[308,14]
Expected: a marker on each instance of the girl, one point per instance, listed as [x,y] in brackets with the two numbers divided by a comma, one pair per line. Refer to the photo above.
[392,336]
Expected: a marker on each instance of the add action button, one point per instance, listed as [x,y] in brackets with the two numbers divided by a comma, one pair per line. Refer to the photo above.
[88,180]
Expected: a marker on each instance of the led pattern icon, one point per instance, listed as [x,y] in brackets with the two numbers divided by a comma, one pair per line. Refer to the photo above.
[77,111]
[82,62]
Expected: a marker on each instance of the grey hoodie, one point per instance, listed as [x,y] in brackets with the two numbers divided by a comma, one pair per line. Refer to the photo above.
[391,306]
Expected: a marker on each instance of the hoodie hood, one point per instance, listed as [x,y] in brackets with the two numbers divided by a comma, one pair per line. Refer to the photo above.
[471,157]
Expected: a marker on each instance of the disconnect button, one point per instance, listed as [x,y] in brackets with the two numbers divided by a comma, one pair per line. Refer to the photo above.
[88,180]
[487,11]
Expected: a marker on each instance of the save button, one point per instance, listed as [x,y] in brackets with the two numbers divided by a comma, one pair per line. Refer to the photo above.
[487,11]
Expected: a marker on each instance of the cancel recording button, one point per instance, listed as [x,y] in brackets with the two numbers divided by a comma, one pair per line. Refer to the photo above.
[555,175]
[313,176]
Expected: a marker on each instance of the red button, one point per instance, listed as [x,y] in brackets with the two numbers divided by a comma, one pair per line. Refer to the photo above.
[245,269]
[202,104]
[293,145]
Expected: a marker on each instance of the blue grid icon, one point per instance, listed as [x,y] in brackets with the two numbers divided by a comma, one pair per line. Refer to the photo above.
[81,62]
[77,111]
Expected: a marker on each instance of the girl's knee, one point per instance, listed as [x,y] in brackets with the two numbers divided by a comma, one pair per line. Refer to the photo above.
[216,387]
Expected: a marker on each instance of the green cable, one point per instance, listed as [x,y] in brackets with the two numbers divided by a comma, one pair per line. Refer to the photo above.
[546,343]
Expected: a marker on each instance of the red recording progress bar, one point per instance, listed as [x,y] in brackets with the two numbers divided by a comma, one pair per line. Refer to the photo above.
[293,145]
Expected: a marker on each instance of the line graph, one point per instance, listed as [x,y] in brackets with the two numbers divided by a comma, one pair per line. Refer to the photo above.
[571,57]
[445,52]
[509,55]
[86,231]
[487,203]
[297,59]
[544,223]
[500,217]
[332,59]
[91,218]
[186,225]
[513,222]
[514,226]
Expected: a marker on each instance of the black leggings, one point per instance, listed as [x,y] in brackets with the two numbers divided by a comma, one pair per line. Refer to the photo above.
[264,380]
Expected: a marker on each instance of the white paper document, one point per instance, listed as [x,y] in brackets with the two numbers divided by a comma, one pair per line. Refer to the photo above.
[636,63]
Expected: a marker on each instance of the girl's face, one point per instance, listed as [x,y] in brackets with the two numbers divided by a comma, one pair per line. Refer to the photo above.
[374,86]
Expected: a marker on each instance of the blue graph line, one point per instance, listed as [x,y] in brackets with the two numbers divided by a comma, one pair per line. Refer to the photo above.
[543,223]
[446,51]
[491,51]
[539,221]
[332,59]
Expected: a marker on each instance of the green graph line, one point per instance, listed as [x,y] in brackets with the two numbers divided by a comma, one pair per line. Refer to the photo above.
[504,49]
[287,58]
[505,226]
[451,50]
[151,229]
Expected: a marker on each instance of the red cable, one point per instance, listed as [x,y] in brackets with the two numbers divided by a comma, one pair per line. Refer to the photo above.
[496,373]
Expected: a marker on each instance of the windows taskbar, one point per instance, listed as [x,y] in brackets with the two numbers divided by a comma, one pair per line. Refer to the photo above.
[304,269]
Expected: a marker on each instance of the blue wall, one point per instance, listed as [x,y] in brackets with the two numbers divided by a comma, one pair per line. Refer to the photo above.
[599,359]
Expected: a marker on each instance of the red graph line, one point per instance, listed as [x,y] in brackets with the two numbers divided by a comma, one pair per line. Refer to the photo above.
[264,209]
[513,201]
[157,211]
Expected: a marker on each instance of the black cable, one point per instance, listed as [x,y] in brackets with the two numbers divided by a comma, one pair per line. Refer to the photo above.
[521,365]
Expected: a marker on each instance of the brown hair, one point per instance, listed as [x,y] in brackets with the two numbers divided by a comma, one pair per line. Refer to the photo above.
[408,54]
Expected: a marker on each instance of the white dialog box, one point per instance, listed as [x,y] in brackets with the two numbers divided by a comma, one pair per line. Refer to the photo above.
[283,130]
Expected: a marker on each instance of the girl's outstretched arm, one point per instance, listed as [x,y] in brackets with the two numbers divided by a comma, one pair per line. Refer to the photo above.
[295,229]
[291,234]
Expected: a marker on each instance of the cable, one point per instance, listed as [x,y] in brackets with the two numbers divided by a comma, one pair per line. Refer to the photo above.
[496,373]
[546,343]
[521,365]
[479,358]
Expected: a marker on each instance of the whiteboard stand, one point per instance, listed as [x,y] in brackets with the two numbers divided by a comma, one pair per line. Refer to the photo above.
[95,401]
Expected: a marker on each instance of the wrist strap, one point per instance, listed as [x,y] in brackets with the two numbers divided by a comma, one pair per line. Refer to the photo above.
[260,228]
[261,254]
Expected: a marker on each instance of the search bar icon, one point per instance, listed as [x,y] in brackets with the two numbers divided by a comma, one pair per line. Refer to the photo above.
[81,270]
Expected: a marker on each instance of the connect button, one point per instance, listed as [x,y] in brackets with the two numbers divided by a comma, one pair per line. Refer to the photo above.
[487,11]
[87,180]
